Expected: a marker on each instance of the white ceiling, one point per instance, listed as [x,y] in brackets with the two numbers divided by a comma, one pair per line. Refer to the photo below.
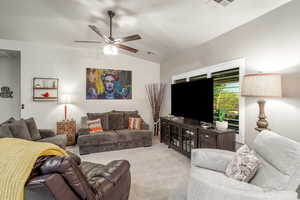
[167,26]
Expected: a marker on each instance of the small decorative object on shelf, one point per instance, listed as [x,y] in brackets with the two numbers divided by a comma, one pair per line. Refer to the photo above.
[38,86]
[46,95]
[45,89]
[54,84]
[68,128]
[6,92]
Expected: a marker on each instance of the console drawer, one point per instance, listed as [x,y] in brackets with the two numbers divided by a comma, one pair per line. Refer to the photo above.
[208,141]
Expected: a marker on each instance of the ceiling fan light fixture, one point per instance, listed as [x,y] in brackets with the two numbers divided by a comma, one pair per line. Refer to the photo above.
[110,50]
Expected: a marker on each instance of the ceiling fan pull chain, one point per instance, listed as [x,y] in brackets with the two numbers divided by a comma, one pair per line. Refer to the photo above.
[110,27]
[111,15]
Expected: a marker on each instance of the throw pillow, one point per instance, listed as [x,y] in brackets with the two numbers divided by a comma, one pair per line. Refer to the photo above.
[19,129]
[5,132]
[244,165]
[116,121]
[135,123]
[95,126]
[102,116]
[32,128]
[127,114]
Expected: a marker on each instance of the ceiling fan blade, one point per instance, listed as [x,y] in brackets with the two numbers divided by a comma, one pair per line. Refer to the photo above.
[127,48]
[96,30]
[128,38]
[83,41]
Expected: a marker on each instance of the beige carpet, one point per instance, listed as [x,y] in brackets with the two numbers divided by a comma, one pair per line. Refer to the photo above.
[154,170]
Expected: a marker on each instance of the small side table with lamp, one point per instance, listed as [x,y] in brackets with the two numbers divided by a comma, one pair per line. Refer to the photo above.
[67,127]
[262,85]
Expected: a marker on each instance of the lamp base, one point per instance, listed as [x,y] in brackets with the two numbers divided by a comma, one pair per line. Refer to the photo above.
[262,129]
[66,111]
[262,123]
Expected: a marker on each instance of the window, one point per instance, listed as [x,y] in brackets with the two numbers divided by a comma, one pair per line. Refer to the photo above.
[180,80]
[226,96]
[199,77]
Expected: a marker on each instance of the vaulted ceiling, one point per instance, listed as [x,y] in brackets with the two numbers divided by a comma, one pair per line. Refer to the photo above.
[167,26]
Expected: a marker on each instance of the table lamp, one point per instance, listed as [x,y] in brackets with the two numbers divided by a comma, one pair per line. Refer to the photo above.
[262,85]
[66,99]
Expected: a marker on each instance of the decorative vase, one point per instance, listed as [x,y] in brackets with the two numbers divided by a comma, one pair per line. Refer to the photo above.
[221,125]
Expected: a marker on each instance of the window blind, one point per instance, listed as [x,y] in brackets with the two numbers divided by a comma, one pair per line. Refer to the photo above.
[226,96]
[180,80]
[199,77]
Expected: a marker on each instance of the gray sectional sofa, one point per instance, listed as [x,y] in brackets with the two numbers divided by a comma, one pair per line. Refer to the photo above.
[27,130]
[116,135]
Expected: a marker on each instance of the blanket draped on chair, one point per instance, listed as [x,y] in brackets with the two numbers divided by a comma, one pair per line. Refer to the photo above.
[17,158]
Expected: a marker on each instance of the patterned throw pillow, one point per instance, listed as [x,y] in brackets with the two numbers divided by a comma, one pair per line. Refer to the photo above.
[135,123]
[244,165]
[95,126]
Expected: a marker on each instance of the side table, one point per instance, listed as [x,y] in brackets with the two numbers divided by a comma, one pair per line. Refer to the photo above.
[68,128]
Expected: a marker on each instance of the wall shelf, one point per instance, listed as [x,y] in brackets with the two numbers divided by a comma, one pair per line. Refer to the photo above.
[50,98]
[43,86]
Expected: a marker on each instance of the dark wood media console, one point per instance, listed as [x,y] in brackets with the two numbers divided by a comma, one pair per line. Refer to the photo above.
[184,135]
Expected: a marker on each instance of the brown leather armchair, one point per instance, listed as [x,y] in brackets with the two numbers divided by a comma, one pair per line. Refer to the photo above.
[66,178]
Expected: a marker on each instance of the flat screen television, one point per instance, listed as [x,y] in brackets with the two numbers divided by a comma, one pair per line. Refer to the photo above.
[193,100]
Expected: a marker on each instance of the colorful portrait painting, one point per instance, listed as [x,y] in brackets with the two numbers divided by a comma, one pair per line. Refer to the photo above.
[108,84]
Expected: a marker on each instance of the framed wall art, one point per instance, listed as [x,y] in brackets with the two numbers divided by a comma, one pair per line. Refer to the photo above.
[108,84]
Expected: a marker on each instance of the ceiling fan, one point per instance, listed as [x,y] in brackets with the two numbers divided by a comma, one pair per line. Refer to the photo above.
[112,43]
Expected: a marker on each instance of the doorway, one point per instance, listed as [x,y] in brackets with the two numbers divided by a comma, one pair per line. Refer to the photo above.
[10,90]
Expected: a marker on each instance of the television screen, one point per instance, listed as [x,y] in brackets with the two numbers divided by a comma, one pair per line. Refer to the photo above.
[193,100]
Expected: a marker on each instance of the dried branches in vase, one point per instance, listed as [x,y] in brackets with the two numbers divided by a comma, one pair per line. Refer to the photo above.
[156,93]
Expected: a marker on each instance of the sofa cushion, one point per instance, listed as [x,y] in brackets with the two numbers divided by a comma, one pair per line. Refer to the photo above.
[84,122]
[5,132]
[106,137]
[130,135]
[116,120]
[9,121]
[281,158]
[281,152]
[128,114]
[212,159]
[269,178]
[206,184]
[19,129]
[102,116]
[32,128]
[59,140]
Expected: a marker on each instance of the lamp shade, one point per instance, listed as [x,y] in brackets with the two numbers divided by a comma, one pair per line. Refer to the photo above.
[65,99]
[262,85]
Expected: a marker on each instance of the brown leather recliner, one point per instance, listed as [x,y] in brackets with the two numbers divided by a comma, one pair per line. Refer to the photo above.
[66,178]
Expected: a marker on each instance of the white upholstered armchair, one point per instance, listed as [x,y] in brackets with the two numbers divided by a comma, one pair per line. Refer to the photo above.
[277,179]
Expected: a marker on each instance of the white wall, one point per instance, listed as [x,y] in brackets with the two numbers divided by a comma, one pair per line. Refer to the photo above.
[270,43]
[69,65]
[10,77]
